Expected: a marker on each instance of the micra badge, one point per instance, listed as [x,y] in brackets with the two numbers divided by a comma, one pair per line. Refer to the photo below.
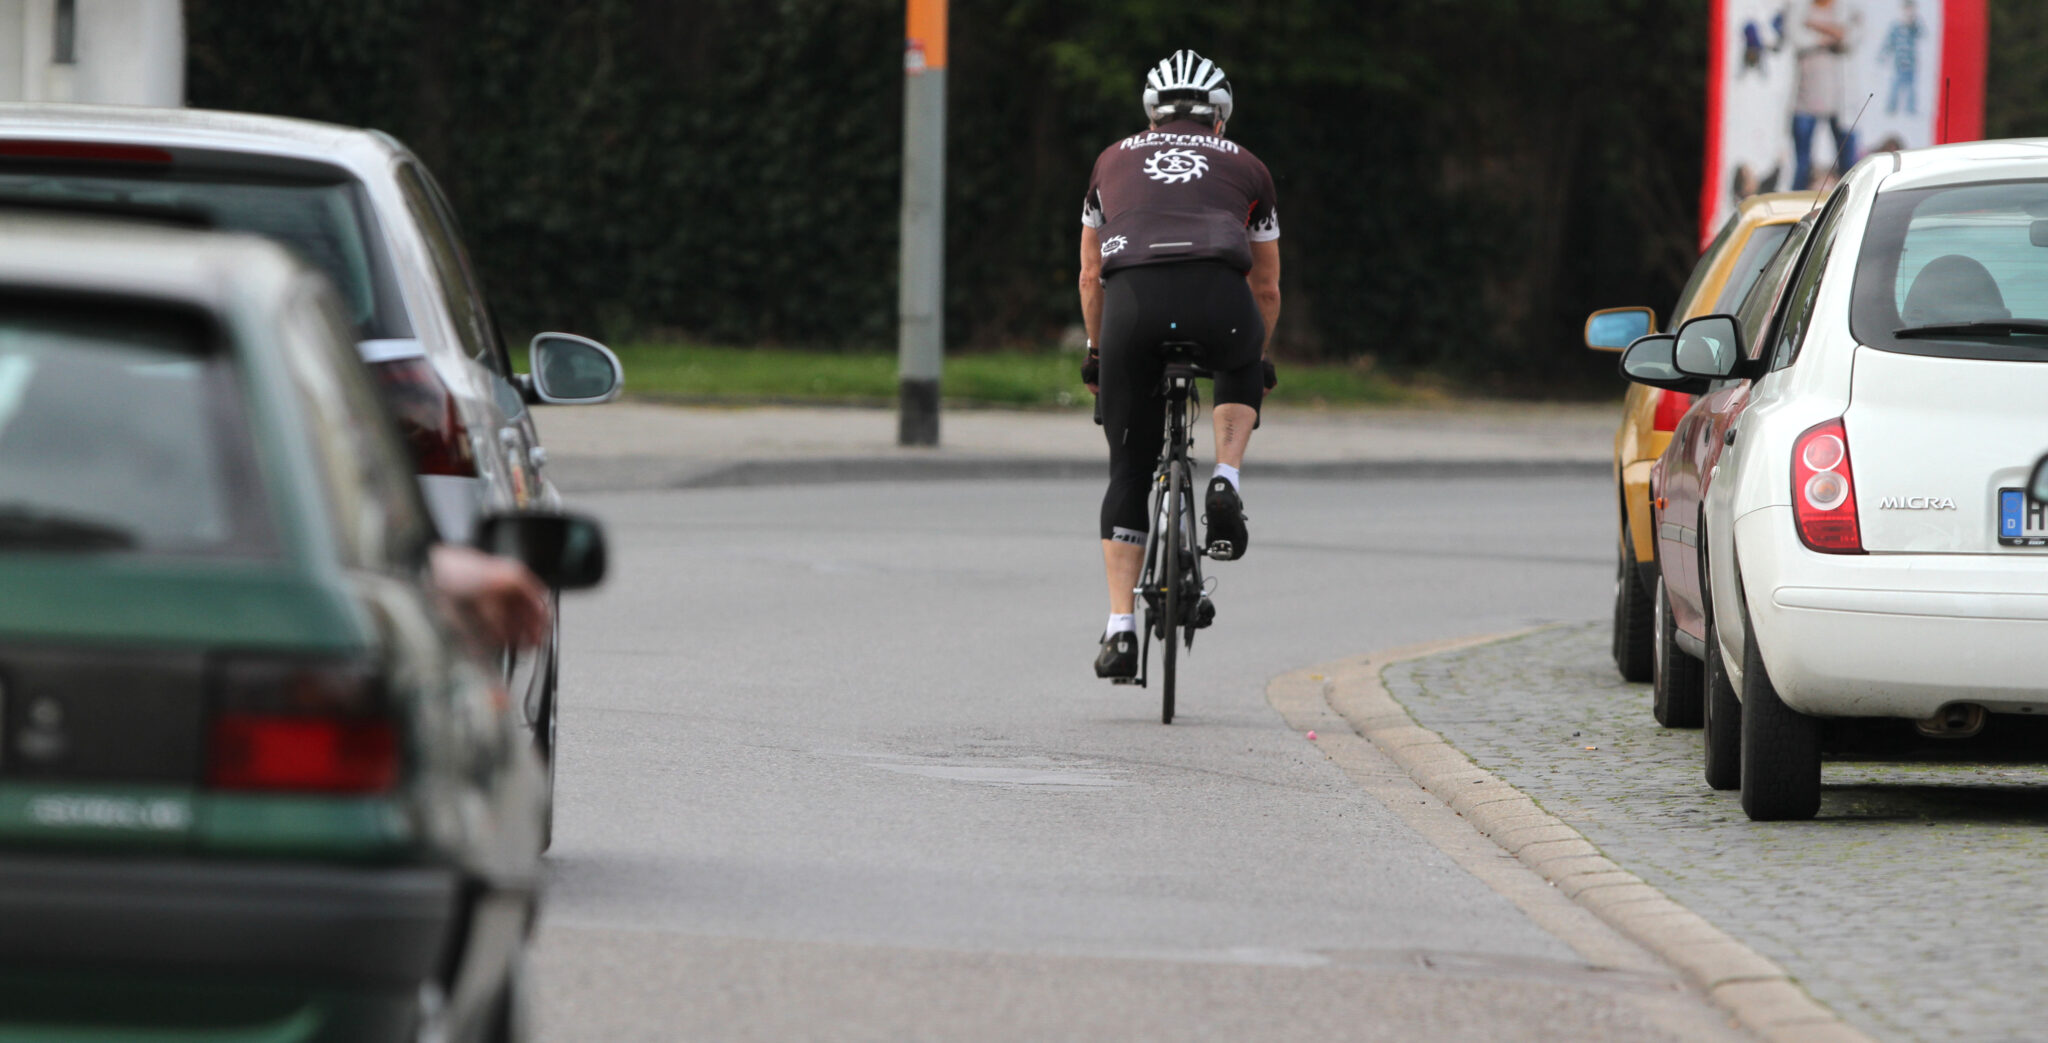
[1916,503]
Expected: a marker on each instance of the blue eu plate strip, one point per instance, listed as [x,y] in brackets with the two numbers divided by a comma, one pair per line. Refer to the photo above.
[2012,511]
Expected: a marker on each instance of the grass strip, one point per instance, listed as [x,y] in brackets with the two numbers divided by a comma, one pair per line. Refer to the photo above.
[1048,379]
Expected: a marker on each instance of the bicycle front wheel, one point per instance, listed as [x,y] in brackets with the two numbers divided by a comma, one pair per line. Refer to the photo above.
[1176,507]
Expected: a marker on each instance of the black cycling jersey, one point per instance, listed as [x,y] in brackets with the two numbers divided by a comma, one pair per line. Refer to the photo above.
[1179,193]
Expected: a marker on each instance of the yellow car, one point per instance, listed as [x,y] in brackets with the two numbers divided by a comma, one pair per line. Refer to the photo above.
[1724,274]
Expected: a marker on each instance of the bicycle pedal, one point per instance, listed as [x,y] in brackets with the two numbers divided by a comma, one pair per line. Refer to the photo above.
[1124,680]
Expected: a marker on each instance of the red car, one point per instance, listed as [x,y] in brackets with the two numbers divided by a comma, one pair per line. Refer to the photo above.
[1678,487]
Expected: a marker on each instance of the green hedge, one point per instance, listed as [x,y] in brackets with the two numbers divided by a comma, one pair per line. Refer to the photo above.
[1460,180]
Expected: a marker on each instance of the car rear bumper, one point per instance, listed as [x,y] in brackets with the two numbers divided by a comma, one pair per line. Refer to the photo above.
[1894,635]
[371,926]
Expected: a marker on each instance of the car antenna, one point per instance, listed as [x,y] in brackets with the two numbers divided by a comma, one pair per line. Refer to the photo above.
[1851,136]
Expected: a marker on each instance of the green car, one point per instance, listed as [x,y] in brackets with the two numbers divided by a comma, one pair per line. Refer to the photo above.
[252,784]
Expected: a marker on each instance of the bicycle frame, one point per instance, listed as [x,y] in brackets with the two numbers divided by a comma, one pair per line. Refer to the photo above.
[1171,510]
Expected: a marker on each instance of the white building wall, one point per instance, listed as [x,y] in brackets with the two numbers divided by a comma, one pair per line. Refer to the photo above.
[130,52]
[13,49]
[124,52]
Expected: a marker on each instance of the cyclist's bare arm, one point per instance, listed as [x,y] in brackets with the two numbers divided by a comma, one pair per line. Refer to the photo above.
[1091,283]
[1265,282]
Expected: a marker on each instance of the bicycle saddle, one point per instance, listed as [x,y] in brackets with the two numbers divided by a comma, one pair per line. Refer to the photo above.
[1180,356]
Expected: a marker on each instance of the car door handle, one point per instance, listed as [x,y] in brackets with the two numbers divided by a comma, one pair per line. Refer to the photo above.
[1729,438]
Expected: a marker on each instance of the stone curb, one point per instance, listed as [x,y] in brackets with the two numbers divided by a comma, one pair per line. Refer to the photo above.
[1759,993]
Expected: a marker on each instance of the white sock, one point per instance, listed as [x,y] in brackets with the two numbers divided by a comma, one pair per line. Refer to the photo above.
[1228,474]
[1124,623]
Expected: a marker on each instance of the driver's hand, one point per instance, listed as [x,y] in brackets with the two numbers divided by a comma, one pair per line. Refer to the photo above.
[1091,371]
[499,600]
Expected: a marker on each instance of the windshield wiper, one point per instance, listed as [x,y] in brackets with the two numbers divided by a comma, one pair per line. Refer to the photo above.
[1980,328]
[22,526]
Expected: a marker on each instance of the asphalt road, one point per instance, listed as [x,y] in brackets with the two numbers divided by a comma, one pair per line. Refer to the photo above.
[834,765]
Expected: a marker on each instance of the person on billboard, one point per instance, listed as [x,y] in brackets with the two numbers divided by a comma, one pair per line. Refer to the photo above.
[1754,49]
[1902,49]
[1819,39]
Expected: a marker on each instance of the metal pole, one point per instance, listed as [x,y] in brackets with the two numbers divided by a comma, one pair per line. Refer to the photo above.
[921,272]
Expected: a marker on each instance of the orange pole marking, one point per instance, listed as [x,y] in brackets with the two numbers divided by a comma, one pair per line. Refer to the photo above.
[924,30]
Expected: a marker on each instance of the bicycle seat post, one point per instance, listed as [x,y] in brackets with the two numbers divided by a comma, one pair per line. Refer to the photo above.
[1181,367]
[1178,384]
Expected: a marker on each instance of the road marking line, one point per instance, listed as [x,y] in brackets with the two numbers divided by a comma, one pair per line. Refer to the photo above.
[1581,894]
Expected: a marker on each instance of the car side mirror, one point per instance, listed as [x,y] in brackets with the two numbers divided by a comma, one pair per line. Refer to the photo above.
[569,370]
[1709,346]
[1649,361]
[1613,329]
[2037,483]
[567,551]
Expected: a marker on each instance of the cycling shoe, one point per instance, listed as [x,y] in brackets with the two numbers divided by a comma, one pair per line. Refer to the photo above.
[1119,656]
[1225,519]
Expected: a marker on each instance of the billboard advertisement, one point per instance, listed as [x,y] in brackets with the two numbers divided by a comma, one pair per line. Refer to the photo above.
[1798,90]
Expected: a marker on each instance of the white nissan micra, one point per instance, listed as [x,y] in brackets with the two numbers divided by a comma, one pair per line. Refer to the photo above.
[1868,541]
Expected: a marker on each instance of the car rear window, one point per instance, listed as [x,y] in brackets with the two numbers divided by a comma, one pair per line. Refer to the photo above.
[121,431]
[1756,253]
[1754,312]
[1937,258]
[326,220]
[1698,280]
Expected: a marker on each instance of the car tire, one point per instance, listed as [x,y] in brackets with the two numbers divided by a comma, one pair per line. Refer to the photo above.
[510,1019]
[544,734]
[1676,681]
[1780,767]
[1632,634]
[1722,738]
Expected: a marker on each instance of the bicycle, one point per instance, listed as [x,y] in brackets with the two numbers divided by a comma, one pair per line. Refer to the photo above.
[1175,598]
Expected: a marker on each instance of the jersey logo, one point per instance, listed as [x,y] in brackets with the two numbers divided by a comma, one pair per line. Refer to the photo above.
[1176,165]
[1114,244]
[1270,227]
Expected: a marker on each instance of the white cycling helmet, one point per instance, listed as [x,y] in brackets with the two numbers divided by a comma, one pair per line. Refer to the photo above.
[1186,86]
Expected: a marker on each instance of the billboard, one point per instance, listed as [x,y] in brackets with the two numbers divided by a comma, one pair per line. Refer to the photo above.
[1798,90]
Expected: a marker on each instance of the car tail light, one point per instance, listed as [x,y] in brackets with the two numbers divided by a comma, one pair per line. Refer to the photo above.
[301,726]
[426,417]
[1824,490]
[84,151]
[1671,407]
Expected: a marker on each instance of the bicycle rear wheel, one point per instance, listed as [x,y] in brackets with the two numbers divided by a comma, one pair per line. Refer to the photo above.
[1170,578]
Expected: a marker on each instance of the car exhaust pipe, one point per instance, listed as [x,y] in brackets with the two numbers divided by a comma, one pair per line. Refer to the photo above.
[1954,721]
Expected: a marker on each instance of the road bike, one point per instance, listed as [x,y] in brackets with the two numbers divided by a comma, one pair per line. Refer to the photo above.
[1171,587]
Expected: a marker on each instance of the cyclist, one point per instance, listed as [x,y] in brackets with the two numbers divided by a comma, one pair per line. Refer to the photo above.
[1179,242]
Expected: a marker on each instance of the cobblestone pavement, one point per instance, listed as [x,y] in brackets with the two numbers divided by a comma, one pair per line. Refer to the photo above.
[1913,905]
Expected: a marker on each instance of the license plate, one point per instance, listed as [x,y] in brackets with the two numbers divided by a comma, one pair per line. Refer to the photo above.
[2022,520]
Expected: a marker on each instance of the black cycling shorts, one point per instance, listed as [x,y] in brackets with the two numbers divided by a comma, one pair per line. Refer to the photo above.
[1207,302]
